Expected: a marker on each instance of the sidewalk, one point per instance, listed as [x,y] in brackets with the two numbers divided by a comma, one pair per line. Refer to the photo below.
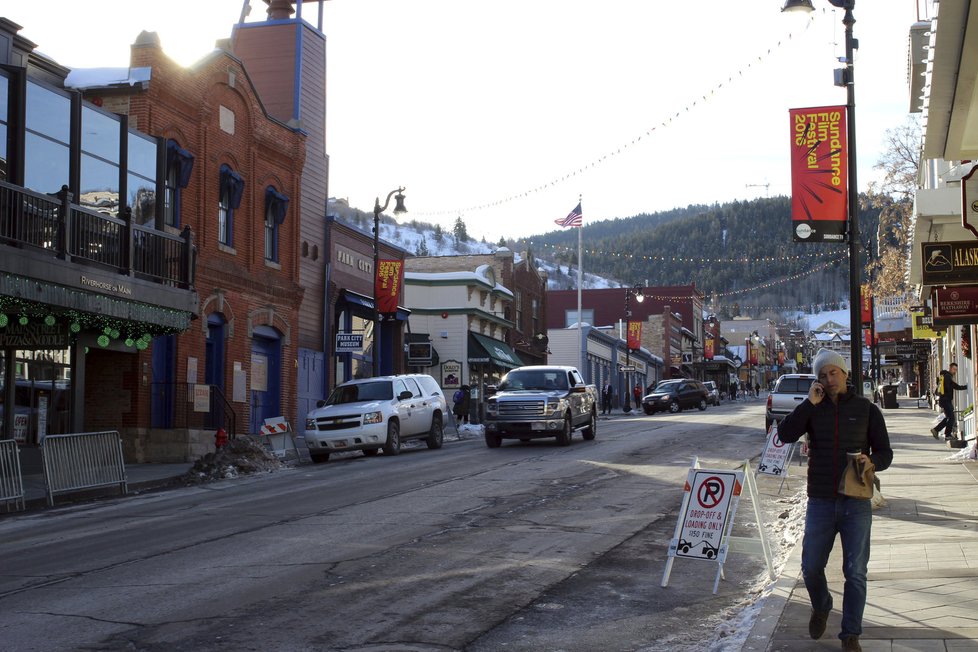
[139,477]
[923,569]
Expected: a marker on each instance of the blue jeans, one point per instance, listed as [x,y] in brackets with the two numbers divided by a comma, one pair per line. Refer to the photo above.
[852,519]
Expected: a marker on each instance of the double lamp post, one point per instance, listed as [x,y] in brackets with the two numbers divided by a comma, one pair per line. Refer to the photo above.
[399,208]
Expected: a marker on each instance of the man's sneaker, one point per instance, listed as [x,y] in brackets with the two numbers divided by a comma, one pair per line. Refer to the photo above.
[851,644]
[816,624]
[933,431]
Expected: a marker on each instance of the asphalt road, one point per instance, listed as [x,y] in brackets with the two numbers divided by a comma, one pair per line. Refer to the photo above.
[531,546]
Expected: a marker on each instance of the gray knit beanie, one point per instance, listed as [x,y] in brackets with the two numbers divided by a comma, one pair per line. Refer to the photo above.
[824,357]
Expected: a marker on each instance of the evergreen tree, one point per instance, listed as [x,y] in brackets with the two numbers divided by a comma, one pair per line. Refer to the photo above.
[459,230]
[422,248]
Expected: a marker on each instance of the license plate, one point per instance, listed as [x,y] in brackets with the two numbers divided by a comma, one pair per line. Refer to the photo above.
[537,425]
[340,443]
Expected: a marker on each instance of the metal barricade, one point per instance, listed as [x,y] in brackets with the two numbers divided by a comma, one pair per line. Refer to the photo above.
[83,460]
[11,480]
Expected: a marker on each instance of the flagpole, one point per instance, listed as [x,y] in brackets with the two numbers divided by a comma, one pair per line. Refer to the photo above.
[580,283]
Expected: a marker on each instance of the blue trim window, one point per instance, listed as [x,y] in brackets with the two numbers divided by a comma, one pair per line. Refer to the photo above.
[179,165]
[229,198]
[276,205]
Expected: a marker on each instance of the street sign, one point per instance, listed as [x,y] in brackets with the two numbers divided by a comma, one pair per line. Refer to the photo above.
[776,454]
[349,342]
[628,368]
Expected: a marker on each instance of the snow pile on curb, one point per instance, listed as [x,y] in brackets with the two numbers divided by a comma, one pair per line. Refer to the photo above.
[241,456]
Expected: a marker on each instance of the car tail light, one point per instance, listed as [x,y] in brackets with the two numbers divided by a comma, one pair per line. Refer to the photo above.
[769,397]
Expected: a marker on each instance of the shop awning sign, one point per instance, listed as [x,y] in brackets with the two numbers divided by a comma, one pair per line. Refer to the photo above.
[349,342]
[955,305]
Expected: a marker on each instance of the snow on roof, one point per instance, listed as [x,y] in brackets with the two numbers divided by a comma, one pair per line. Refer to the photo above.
[85,78]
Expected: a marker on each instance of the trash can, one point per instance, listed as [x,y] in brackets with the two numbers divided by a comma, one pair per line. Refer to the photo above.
[890,397]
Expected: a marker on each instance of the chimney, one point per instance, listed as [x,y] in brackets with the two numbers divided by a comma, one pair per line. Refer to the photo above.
[280,9]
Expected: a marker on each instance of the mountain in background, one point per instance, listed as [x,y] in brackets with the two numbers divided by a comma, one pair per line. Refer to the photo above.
[739,254]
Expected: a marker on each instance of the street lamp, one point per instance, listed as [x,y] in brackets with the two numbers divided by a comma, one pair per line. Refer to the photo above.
[750,338]
[847,79]
[629,293]
[378,209]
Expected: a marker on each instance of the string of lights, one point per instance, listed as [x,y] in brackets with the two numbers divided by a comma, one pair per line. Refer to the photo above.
[705,97]
[684,259]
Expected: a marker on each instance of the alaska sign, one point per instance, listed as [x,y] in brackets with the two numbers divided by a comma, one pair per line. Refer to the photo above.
[949,262]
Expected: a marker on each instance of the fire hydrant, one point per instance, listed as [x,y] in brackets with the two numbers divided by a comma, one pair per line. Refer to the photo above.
[220,439]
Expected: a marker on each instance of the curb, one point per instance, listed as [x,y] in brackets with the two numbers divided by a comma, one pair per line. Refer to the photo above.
[762,632]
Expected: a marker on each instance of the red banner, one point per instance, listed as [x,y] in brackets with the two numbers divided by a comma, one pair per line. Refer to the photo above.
[780,358]
[634,335]
[866,296]
[708,349]
[387,285]
[819,174]
[751,353]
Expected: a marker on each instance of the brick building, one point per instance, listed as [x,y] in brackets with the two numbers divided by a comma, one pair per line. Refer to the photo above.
[233,175]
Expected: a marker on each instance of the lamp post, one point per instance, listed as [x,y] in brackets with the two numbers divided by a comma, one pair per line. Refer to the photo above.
[637,293]
[750,384]
[848,80]
[378,209]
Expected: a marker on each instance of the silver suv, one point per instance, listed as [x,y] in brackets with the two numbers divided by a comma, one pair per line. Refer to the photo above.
[373,414]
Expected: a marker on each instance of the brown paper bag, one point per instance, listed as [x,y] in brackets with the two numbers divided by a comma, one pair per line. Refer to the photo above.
[857,481]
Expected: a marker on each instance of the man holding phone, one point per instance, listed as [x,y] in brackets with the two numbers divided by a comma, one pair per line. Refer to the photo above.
[838,422]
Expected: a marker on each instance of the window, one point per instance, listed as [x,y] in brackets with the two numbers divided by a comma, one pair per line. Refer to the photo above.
[229,198]
[47,138]
[141,177]
[276,205]
[518,300]
[179,165]
[4,95]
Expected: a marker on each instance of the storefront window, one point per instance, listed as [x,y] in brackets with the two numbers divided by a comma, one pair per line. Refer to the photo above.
[47,137]
[42,394]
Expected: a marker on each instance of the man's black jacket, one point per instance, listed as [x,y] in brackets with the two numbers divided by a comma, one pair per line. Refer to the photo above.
[949,386]
[853,424]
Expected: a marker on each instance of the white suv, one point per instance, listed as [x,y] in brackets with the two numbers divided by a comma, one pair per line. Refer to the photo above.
[373,414]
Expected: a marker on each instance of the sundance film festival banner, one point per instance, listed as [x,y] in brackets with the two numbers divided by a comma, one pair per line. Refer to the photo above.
[819,174]
[390,277]
[634,335]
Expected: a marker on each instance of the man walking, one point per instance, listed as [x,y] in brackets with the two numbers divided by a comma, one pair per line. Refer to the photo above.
[945,398]
[606,395]
[845,423]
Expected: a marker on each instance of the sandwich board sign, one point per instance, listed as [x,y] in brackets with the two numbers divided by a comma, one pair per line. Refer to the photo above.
[776,456]
[710,500]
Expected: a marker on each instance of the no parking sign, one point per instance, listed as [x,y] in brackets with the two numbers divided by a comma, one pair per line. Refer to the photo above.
[776,455]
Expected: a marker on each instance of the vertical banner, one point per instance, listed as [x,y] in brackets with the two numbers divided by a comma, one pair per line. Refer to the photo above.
[819,174]
[867,304]
[751,353]
[781,358]
[708,349]
[390,276]
[634,335]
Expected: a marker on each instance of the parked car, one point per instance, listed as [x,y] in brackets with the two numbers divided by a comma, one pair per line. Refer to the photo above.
[675,395]
[714,397]
[789,391]
[373,414]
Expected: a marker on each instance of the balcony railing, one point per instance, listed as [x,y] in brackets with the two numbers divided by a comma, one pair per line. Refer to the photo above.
[70,232]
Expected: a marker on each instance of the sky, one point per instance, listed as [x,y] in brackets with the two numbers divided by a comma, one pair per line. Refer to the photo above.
[506,113]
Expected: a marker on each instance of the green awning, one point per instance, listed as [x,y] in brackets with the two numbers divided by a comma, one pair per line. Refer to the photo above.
[485,349]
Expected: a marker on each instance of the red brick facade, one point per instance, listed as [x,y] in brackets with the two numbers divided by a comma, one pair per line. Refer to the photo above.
[213,111]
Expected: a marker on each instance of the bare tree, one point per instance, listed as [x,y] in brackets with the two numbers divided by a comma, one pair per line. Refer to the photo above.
[894,195]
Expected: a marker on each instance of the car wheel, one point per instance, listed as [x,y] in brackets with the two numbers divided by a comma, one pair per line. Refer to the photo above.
[319,458]
[674,407]
[647,409]
[493,441]
[592,428]
[436,436]
[564,438]
[702,405]
[370,452]
[393,444]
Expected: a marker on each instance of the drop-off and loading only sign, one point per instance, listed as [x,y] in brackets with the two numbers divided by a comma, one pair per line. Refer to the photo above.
[703,523]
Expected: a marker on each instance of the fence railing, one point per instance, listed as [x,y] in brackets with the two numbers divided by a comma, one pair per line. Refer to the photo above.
[71,232]
[83,460]
[11,479]
[178,408]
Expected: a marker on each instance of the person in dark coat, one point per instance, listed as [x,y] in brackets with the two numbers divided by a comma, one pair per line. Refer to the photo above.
[945,398]
[462,401]
[606,395]
[838,422]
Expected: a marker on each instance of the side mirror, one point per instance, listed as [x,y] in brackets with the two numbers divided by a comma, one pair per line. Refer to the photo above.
[320,403]
[491,390]
[405,395]
[578,389]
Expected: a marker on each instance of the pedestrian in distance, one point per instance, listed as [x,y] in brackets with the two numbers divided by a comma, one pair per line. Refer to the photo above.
[945,398]
[838,423]
[637,393]
[606,395]
[733,391]
[757,390]
[461,401]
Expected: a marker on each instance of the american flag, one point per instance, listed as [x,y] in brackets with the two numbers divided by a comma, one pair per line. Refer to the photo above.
[574,218]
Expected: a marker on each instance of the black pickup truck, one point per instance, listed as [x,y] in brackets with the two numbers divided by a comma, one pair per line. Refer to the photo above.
[541,401]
